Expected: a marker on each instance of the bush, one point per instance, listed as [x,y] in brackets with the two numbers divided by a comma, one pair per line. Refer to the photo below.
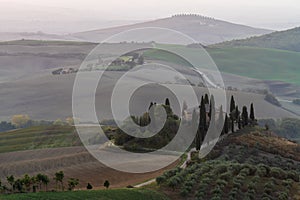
[217,190]
[283,196]
[293,175]
[278,173]
[184,192]
[226,176]
[287,183]
[89,186]
[262,170]
[161,179]
[221,183]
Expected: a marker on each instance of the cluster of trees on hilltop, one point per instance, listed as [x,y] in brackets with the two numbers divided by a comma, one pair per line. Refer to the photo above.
[206,117]
[162,138]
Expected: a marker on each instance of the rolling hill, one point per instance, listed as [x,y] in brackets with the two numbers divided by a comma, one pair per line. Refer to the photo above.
[250,164]
[203,29]
[285,40]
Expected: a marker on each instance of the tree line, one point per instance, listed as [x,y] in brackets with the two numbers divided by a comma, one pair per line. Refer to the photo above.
[40,182]
[233,120]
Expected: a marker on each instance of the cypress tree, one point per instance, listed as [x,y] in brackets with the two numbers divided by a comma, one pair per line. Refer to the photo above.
[151,104]
[237,113]
[239,123]
[252,117]
[221,120]
[232,104]
[202,123]
[206,99]
[167,102]
[226,128]
[245,116]
[212,112]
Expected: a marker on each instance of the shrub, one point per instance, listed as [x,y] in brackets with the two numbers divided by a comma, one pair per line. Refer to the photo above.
[262,170]
[217,190]
[287,183]
[184,192]
[161,179]
[226,176]
[221,183]
[89,186]
[293,175]
[283,196]
[221,169]
[278,173]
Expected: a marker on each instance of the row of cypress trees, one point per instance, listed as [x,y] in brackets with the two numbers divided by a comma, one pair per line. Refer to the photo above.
[234,118]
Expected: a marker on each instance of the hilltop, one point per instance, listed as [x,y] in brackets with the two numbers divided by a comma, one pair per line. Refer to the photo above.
[203,29]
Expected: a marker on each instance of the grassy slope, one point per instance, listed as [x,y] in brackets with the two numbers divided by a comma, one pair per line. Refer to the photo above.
[286,40]
[253,62]
[269,64]
[116,194]
[38,137]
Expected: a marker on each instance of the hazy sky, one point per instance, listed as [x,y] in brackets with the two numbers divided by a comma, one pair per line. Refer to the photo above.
[275,14]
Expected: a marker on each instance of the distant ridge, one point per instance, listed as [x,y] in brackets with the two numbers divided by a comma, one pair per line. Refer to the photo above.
[285,40]
[205,30]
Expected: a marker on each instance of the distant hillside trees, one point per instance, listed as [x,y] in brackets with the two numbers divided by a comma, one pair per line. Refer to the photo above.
[296,101]
[20,121]
[272,99]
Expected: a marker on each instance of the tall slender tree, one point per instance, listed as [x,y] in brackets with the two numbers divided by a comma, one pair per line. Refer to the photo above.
[252,117]
[206,99]
[232,104]
[202,119]
[245,116]
[167,102]
[220,123]
[226,128]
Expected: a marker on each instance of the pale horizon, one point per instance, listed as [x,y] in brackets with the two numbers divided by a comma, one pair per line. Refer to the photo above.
[75,16]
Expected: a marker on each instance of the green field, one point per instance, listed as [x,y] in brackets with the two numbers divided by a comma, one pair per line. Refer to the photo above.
[115,194]
[253,62]
[38,137]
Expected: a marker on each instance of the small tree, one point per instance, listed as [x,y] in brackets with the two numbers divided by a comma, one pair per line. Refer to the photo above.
[11,182]
[59,176]
[89,186]
[72,183]
[28,181]
[106,184]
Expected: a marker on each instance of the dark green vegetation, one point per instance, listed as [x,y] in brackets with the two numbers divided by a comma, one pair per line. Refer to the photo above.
[115,194]
[38,137]
[249,164]
[286,40]
[155,142]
